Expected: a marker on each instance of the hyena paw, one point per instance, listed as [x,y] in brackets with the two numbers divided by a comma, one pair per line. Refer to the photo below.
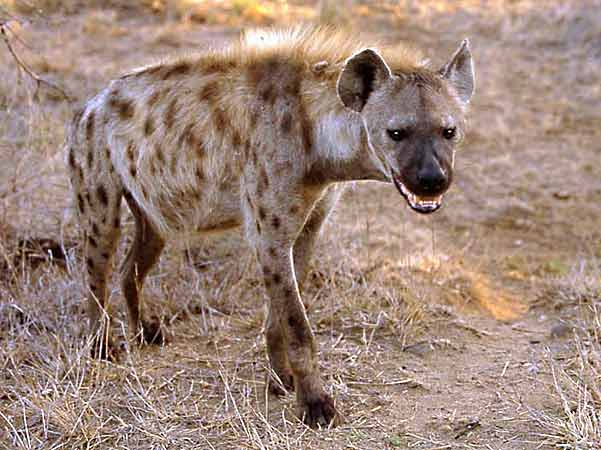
[317,409]
[283,385]
[152,333]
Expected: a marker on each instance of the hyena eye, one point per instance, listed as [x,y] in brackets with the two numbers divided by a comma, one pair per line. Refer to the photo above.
[449,133]
[397,135]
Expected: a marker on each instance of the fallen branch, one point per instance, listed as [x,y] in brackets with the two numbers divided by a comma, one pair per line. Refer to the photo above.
[5,30]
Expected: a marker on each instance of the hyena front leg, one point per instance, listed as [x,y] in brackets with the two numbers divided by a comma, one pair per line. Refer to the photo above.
[303,251]
[273,230]
[143,254]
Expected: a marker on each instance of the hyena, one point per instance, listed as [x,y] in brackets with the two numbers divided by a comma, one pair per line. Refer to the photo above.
[259,134]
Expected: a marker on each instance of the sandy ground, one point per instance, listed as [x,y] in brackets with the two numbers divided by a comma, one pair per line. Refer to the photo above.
[465,329]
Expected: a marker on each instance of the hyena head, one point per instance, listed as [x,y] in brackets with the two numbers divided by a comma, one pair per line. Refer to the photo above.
[413,120]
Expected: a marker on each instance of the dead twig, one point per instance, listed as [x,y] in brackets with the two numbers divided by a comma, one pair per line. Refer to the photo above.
[5,30]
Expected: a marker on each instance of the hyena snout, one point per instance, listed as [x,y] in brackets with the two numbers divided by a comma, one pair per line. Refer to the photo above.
[431,178]
[424,182]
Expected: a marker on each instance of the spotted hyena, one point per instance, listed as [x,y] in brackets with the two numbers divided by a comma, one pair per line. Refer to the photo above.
[260,134]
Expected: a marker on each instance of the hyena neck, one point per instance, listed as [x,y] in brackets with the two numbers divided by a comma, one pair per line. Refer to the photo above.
[343,152]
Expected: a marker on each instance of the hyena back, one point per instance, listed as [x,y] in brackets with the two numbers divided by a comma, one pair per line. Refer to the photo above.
[259,134]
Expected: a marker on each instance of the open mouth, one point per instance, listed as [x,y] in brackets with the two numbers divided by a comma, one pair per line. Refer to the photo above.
[419,203]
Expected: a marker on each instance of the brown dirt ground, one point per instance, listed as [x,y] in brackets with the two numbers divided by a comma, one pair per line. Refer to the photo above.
[435,332]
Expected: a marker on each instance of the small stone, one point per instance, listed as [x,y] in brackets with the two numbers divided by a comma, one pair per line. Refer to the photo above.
[419,349]
[320,66]
[560,330]
[561,195]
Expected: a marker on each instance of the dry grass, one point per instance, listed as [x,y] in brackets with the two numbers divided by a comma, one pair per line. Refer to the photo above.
[410,312]
[576,370]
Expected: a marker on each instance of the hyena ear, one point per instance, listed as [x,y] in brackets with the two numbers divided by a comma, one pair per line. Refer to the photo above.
[363,73]
[459,71]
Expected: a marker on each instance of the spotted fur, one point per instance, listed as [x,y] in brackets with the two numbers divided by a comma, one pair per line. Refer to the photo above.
[258,135]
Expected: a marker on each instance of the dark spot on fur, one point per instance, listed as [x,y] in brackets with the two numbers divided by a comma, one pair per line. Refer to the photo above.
[271,252]
[105,255]
[95,230]
[173,164]
[80,204]
[258,227]
[169,118]
[77,117]
[286,123]
[148,125]
[117,222]
[125,108]
[219,119]
[264,179]
[160,156]
[236,140]
[216,66]
[199,175]
[187,137]
[209,92]
[266,270]
[129,152]
[101,193]
[299,330]
[92,241]
[90,127]
[133,171]
[90,156]
[267,94]
[293,209]
[275,222]
[154,98]
[179,69]
[262,213]
[71,158]
[90,264]
[277,278]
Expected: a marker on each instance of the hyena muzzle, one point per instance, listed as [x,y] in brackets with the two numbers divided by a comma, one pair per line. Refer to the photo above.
[260,134]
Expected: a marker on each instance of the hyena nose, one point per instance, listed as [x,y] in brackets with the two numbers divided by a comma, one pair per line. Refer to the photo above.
[431,179]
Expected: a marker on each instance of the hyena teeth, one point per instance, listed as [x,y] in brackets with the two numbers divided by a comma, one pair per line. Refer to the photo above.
[423,203]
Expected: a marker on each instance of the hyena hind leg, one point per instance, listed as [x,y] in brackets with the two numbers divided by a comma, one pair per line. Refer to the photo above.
[143,254]
[102,233]
[305,242]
